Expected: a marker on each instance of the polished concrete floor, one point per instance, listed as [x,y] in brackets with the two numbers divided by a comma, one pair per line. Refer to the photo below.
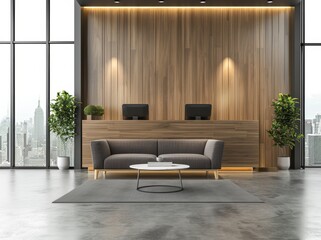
[292,210]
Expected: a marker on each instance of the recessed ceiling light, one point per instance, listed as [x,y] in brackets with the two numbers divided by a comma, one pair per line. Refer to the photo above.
[270,1]
[161,1]
[117,1]
[203,1]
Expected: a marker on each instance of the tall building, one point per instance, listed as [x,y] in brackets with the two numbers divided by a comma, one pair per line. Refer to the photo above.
[8,145]
[39,125]
[315,126]
[314,143]
[1,152]
[318,117]
[308,127]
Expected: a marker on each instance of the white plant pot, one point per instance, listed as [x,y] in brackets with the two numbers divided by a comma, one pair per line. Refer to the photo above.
[63,162]
[283,163]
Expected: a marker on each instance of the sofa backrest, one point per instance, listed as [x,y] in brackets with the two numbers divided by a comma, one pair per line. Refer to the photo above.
[118,146]
[167,146]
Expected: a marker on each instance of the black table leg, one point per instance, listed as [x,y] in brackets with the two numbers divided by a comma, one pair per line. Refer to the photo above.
[180,179]
[138,173]
[176,188]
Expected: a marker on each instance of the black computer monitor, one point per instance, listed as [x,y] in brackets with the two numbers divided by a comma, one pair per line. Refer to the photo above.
[135,111]
[198,111]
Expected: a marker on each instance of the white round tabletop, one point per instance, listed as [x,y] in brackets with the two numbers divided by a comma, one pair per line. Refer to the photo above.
[146,167]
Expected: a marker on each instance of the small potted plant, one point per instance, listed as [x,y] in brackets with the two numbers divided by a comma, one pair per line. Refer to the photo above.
[99,111]
[89,111]
[285,126]
[62,122]
[93,112]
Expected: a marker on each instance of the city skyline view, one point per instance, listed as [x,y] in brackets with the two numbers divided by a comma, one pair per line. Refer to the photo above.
[30,141]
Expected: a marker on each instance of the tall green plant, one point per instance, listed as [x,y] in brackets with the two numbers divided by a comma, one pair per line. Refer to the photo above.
[285,125]
[62,116]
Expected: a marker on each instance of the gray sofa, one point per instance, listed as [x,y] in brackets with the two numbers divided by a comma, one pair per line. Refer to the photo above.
[121,153]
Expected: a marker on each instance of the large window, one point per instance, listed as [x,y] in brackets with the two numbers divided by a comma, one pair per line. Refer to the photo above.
[38,40]
[312,21]
[61,71]
[30,98]
[4,104]
[5,20]
[312,50]
[30,20]
[62,20]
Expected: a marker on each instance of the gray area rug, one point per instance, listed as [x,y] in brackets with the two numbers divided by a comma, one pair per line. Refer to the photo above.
[124,191]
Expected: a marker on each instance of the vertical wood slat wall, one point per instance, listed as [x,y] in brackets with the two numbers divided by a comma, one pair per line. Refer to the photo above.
[237,59]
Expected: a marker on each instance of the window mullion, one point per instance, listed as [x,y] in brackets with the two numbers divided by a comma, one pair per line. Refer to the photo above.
[12,146]
[47,83]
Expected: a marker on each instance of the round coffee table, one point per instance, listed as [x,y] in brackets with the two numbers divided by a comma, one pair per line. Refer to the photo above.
[173,167]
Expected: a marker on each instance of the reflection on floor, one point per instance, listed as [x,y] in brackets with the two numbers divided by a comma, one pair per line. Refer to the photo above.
[292,210]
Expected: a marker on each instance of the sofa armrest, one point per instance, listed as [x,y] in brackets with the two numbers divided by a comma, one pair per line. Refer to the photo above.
[214,151]
[99,152]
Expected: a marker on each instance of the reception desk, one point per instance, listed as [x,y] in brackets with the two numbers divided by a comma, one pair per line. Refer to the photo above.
[241,137]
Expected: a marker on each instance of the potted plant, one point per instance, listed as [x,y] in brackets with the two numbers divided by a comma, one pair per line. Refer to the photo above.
[90,111]
[62,122]
[93,112]
[99,111]
[285,126]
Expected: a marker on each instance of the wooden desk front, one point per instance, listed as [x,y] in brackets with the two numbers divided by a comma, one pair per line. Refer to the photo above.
[241,137]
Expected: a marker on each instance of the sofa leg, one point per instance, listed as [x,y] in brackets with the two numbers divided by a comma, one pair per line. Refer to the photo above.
[104,174]
[215,174]
[96,174]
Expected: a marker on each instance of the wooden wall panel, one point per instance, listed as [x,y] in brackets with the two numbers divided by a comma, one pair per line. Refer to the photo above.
[238,59]
[95,67]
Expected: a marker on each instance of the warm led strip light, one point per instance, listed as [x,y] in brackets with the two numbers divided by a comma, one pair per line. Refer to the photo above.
[191,7]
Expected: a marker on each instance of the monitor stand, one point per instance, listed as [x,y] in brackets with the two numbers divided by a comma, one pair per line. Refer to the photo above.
[135,117]
[198,118]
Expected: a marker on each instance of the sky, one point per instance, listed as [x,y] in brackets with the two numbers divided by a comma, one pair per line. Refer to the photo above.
[31,77]
[312,60]
[30,60]
[312,81]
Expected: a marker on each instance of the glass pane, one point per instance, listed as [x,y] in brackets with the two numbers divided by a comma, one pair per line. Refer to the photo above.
[62,20]
[312,106]
[61,78]
[4,104]
[30,20]
[312,21]
[5,21]
[30,94]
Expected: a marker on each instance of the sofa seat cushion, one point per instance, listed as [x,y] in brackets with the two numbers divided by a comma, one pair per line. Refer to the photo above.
[196,161]
[120,161]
